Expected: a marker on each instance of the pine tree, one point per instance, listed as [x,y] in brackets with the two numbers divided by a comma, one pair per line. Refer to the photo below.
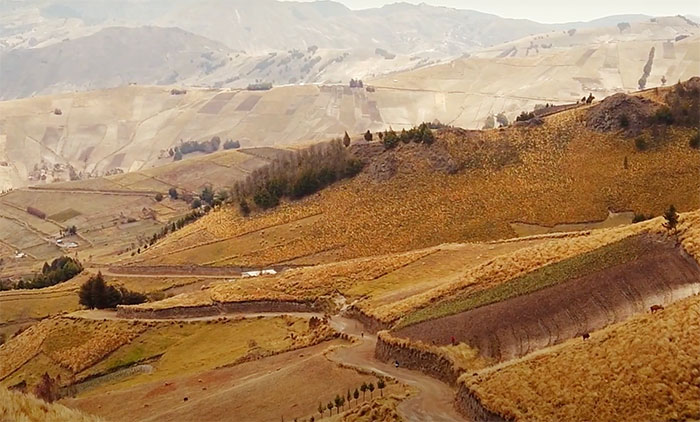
[381,384]
[346,140]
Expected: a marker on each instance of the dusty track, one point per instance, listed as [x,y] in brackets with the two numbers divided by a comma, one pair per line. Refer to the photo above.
[434,401]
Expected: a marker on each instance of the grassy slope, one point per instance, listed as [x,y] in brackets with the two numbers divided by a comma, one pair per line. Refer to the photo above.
[647,368]
[541,175]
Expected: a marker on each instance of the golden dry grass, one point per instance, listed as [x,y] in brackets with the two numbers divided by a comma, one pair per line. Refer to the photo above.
[508,266]
[541,175]
[647,368]
[296,284]
[16,407]
[20,349]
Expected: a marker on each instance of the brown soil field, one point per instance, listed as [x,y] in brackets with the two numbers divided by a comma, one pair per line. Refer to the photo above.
[518,326]
[288,385]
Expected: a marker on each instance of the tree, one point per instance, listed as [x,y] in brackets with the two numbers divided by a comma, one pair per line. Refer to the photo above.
[321,409]
[95,293]
[159,197]
[196,204]
[330,407]
[244,207]
[391,139]
[502,120]
[371,389]
[671,217]
[346,140]
[338,401]
[177,156]
[173,193]
[363,388]
[349,397]
[356,394]
[368,136]
[381,385]
[207,195]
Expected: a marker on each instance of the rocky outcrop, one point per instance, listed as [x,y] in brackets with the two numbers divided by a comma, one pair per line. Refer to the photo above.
[468,404]
[416,357]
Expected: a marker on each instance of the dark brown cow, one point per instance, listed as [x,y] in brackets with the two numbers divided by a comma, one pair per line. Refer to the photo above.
[656,308]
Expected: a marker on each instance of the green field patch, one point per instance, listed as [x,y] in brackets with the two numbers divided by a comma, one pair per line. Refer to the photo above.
[608,256]
[65,215]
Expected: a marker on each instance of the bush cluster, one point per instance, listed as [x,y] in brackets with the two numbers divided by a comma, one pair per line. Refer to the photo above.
[96,294]
[297,175]
[231,144]
[60,270]
[189,147]
[420,134]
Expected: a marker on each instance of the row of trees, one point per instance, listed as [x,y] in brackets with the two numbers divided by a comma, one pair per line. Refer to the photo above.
[340,400]
[189,147]
[297,175]
[96,294]
[60,270]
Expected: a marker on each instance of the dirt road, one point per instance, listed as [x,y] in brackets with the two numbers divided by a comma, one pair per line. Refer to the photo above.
[433,402]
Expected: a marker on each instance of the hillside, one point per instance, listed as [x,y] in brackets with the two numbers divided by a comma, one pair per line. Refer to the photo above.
[132,127]
[16,407]
[109,58]
[468,186]
[645,369]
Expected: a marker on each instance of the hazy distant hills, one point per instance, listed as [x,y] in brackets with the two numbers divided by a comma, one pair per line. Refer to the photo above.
[64,45]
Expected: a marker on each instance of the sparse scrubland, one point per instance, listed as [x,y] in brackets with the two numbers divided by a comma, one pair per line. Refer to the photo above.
[647,368]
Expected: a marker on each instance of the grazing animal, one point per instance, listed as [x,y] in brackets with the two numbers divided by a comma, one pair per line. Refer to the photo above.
[656,308]
[586,336]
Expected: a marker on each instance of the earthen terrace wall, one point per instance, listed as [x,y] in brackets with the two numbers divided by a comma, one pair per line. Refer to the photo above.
[219,309]
[468,404]
[415,357]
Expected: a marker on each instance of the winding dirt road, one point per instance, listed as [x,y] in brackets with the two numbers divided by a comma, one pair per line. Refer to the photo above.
[433,402]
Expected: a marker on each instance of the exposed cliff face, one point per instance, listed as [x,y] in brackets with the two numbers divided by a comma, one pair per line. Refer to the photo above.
[470,406]
[413,357]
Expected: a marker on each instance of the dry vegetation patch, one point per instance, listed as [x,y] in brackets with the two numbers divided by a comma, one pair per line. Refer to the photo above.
[647,368]
[18,407]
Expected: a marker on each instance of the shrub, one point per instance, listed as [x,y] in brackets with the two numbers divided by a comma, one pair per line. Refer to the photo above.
[624,121]
[525,116]
[390,139]
[173,193]
[695,141]
[663,116]
[368,136]
[159,197]
[196,203]
[262,86]
[231,144]
[641,143]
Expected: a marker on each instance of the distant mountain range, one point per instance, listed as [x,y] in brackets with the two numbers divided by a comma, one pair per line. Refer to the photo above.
[49,46]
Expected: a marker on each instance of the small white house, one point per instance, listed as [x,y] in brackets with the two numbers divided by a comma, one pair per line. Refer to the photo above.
[249,274]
